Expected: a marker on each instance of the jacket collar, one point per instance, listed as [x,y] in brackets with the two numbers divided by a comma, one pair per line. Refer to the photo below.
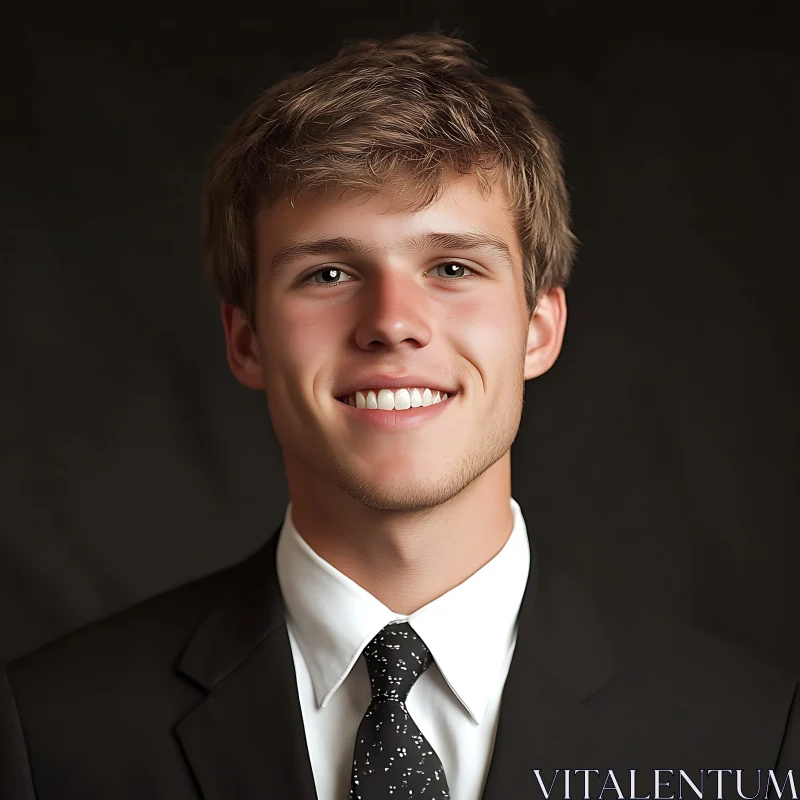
[246,738]
[247,611]
[563,656]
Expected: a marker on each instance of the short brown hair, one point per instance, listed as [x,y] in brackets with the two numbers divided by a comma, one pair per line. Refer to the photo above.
[408,111]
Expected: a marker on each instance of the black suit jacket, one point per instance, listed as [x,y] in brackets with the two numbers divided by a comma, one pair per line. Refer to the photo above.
[192,694]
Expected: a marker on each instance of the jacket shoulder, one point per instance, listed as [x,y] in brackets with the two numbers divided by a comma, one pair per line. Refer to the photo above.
[688,653]
[696,676]
[145,639]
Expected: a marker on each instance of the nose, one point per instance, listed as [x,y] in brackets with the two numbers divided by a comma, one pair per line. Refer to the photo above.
[395,311]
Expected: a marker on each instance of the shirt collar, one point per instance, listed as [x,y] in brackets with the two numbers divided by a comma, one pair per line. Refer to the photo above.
[469,630]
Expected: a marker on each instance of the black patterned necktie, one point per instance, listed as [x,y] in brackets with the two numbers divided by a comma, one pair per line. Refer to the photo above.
[392,758]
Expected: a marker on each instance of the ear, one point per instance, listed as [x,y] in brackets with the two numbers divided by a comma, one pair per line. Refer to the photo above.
[244,354]
[545,333]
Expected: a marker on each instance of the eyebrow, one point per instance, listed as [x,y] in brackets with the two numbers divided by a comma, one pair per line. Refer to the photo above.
[478,242]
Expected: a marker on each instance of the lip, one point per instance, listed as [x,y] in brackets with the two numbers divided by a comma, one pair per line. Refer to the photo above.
[396,420]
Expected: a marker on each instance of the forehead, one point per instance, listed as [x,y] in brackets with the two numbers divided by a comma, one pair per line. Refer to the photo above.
[385,221]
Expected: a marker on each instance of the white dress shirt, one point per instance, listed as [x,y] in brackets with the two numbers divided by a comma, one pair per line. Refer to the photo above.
[471,632]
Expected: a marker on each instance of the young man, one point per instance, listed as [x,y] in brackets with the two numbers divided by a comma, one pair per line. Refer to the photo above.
[389,236]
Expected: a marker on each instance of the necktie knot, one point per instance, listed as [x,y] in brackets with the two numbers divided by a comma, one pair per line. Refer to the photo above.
[395,658]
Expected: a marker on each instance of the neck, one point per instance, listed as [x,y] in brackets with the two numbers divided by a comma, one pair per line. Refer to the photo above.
[406,560]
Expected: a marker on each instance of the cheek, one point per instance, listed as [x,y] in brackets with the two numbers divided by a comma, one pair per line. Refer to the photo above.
[494,348]
[491,332]
[300,343]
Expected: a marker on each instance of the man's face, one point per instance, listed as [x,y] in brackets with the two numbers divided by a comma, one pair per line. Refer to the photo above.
[453,315]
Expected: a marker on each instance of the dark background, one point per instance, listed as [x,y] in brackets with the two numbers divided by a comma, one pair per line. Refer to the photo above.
[659,456]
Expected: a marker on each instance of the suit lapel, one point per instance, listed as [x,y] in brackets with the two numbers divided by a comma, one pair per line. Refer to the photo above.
[561,658]
[246,739]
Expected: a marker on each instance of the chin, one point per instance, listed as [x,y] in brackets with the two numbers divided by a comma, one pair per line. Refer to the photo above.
[409,491]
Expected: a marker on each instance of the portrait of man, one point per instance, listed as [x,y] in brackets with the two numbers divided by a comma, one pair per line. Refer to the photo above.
[389,237]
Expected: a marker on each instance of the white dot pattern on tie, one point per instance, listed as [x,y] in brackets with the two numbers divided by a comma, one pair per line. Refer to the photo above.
[392,758]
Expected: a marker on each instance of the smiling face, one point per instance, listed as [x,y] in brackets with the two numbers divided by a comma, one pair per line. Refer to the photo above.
[436,293]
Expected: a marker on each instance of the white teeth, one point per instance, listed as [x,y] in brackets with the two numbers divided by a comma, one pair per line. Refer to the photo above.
[386,400]
[398,399]
[402,399]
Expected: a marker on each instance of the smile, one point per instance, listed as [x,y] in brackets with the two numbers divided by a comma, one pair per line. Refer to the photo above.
[393,399]
[395,419]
